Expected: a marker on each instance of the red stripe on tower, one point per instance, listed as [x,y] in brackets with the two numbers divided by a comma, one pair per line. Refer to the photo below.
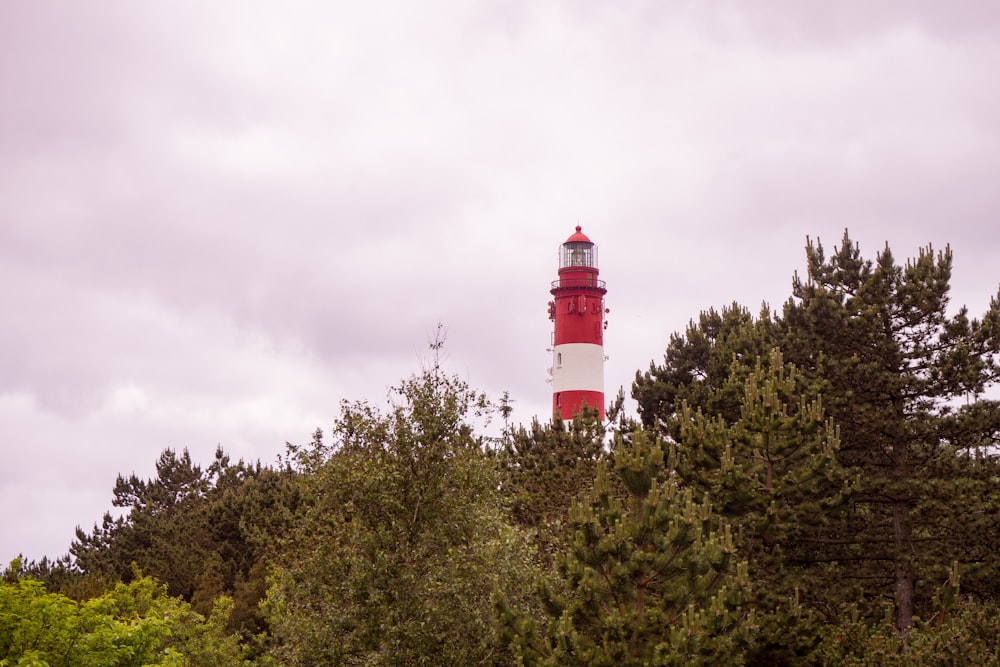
[577,310]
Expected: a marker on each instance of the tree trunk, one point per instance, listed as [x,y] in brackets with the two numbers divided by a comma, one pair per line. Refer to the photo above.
[904,570]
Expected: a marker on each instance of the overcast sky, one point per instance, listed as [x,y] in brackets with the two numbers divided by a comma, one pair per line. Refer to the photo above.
[220,219]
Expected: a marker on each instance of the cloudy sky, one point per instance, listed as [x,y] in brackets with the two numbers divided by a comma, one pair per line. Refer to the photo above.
[220,219]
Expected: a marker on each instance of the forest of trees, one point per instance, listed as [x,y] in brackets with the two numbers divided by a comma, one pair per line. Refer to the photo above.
[813,485]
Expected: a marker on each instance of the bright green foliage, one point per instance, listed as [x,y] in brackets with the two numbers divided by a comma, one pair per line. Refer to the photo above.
[134,624]
[651,578]
[892,365]
[403,542]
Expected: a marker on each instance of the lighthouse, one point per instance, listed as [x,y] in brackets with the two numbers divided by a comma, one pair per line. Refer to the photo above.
[577,310]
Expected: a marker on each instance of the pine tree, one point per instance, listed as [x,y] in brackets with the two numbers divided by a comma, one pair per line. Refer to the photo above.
[905,381]
[202,532]
[895,369]
[773,474]
[547,467]
[697,366]
[649,577]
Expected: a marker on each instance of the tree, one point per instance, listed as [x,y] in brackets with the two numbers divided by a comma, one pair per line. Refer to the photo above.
[697,366]
[895,369]
[963,632]
[203,533]
[131,624]
[905,382]
[547,467]
[648,578]
[773,474]
[403,538]
[159,532]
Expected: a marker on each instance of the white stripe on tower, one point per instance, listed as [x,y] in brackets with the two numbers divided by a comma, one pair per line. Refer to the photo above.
[578,366]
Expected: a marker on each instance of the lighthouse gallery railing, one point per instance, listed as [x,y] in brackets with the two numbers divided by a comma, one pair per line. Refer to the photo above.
[579,282]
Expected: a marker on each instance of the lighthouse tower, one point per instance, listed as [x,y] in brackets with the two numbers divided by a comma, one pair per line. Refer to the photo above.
[577,309]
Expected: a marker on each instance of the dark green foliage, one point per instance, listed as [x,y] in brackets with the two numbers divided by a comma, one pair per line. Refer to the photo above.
[202,533]
[967,636]
[648,578]
[58,576]
[774,475]
[903,380]
[698,364]
[893,365]
[547,467]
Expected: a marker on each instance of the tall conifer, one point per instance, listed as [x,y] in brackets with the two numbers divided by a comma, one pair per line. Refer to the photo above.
[649,576]
[904,379]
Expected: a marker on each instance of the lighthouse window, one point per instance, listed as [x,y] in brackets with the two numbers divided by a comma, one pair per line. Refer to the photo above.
[558,358]
[578,254]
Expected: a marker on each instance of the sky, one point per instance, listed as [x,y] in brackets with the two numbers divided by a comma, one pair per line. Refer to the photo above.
[218,220]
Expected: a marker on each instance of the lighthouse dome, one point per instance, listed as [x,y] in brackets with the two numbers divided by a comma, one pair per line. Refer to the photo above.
[578,237]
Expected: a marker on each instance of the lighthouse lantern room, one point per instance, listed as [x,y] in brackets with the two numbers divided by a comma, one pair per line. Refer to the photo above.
[578,311]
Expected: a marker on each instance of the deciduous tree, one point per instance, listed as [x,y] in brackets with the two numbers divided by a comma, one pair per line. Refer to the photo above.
[403,541]
[131,624]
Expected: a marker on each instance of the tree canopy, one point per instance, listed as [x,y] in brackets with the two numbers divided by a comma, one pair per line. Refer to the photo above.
[403,538]
[813,485]
[904,381]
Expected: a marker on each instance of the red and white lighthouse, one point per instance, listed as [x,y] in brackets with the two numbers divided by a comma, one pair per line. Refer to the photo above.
[578,341]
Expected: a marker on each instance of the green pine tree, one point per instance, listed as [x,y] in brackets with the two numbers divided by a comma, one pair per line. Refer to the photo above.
[545,469]
[773,474]
[697,366]
[905,380]
[649,577]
